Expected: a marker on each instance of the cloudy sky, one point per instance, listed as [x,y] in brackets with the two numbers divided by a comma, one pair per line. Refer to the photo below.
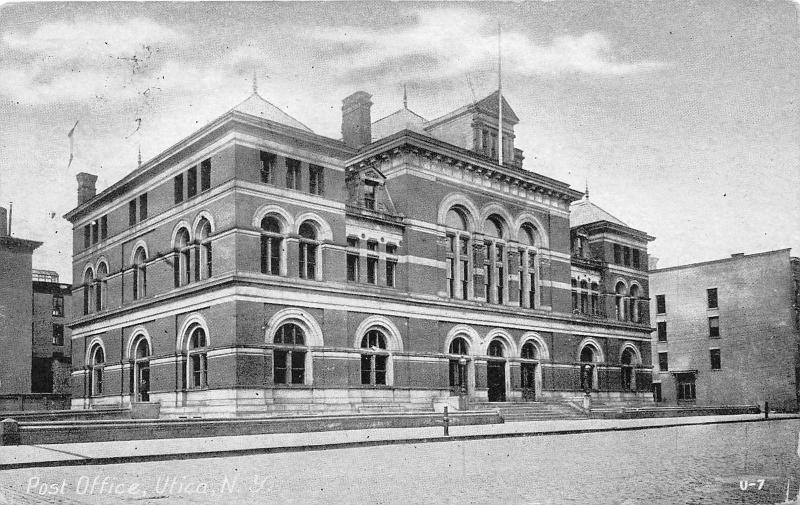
[683,117]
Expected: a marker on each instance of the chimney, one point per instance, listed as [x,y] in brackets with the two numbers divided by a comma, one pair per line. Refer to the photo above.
[356,122]
[86,188]
[3,222]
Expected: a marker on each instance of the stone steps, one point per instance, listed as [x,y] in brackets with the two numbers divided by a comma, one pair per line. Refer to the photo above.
[531,411]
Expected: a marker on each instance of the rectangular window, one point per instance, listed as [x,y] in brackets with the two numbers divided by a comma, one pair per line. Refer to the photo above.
[279,366]
[292,173]
[380,369]
[267,167]
[352,242]
[316,180]
[87,235]
[713,326]
[451,289]
[372,270]
[132,212]
[716,360]
[352,267]
[626,256]
[191,182]
[686,387]
[369,196]
[661,304]
[391,266]
[177,182]
[637,261]
[662,331]
[58,306]
[95,232]
[617,254]
[663,361]
[142,207]
[391,249]
[58,334]
[103,227]
[464,279]
[372,245]
[205,175]
[712,298]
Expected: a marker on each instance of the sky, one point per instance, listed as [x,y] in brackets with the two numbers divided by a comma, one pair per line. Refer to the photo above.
[682,117]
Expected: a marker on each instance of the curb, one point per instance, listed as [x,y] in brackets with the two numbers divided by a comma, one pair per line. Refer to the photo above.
[114,460]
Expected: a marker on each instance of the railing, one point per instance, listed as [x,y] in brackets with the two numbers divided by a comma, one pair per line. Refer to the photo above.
[45,276]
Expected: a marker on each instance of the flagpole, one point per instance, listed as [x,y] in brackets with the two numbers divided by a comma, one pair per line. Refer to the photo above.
[500,94]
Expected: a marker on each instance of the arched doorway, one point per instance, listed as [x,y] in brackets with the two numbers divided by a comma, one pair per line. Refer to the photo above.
[496,371]
[141,370]
[628,361]
[458,368]
[589,357]
[528,371]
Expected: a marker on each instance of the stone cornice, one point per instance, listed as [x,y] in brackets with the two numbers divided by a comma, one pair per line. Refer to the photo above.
[515,181]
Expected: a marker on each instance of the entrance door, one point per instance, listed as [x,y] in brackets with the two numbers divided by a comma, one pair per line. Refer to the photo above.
[528,371]
[496,377]
[143,376]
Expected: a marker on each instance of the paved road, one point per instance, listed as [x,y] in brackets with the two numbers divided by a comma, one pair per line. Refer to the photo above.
[688,464]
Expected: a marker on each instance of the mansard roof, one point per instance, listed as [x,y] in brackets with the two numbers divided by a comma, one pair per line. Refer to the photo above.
[256,105]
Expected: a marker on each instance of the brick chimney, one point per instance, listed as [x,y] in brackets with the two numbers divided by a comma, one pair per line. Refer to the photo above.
[86,187]
[356,122]
[3,222]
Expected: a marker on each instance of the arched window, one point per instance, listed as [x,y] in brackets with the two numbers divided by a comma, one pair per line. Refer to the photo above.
[101,286]
[88,290]
[271,246]
[309,250]
[203,265]
[139,274]
[634,304]
[459,348]
[528,280]
[620,301]
[374,358]
[459,269]
[141,370]
[529,351]
[182,266]
[495,261]
[197,358]
[289,355]
[496,349]
[97,361]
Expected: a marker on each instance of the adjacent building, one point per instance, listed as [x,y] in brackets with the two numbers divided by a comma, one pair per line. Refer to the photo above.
[256,266]
[728,331]
[34,312]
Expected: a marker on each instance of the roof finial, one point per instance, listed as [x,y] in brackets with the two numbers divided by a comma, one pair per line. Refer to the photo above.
[586,193]
[405,97]
[255,83]
[140,155]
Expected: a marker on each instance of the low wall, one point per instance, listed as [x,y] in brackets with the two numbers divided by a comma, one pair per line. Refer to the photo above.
[637,413]
[32,433]
[33,401]
[68,415]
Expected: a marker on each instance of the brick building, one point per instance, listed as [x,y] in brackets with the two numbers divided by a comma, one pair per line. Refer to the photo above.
[728,331]
[51,356]
[256,266]
[34,310]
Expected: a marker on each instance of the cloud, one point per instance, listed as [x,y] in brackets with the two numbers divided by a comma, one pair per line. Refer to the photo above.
[87,39]
[466,41]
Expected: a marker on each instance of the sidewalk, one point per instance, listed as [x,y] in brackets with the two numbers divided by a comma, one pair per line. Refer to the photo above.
[99,453]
